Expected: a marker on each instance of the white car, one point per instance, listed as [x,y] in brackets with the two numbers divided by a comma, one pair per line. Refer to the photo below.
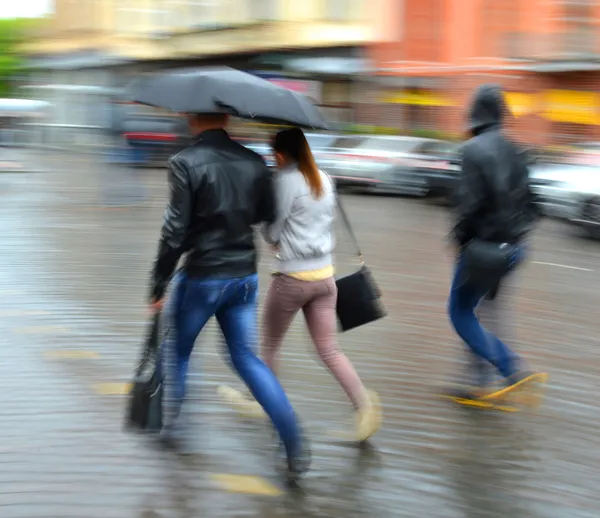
[570,192]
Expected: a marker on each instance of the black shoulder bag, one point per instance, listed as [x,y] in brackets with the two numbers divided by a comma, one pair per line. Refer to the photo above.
[144,411]
[359,297]
[486,264]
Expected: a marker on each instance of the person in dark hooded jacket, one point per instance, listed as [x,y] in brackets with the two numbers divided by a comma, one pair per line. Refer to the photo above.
[493,203]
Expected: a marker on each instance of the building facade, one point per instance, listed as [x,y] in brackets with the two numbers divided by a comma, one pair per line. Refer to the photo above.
[545,53]
[314,46]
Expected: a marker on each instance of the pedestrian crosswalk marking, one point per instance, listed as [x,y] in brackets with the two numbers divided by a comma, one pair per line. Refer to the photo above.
[70,354]
[41,330]
[246,484]
[112,389]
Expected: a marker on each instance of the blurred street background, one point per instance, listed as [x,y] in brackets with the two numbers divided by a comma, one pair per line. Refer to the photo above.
[83,186]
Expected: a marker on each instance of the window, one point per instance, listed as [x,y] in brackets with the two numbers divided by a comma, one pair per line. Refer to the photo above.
[336,93]
[579,35]
[424,29]
[203,13]
[578,12]
[263,10]
[339,10]
[499,18]
[132,19]
[189,14]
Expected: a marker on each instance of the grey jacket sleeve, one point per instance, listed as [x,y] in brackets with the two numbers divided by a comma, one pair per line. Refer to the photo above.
[284,198]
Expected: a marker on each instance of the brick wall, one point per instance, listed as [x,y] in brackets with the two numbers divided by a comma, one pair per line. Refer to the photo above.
[532,129]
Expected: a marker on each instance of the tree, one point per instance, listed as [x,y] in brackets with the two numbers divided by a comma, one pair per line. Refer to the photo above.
[13,33]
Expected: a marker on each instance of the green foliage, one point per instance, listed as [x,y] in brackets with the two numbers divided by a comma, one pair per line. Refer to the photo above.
[13,33]
[365,129]
[434,134]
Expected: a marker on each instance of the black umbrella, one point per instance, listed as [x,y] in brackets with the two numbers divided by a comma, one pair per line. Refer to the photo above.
[225,90]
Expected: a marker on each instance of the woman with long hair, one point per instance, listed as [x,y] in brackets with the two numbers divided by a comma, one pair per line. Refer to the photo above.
[303,275]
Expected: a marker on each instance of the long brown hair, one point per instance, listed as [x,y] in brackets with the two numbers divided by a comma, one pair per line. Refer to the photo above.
[293,144]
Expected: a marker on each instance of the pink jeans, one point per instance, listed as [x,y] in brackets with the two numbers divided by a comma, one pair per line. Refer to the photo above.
[317,300]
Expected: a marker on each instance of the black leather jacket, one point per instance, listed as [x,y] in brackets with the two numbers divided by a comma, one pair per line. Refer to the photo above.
[219,190]
[493,200]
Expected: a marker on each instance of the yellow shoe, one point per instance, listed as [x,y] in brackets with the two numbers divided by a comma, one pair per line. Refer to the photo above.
[368,418]
[239,401]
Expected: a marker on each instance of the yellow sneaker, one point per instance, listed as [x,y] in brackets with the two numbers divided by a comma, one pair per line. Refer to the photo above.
[368,418]
[245,405]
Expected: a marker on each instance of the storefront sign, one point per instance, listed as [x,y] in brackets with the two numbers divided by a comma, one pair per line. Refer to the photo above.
[421,98]
[572,107]
[521,104]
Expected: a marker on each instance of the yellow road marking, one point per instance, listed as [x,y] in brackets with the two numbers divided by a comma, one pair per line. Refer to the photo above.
[72,355]
[41,330]
[246,484]
[112,389]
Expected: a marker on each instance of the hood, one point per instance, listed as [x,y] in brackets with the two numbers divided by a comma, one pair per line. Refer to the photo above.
[488,108]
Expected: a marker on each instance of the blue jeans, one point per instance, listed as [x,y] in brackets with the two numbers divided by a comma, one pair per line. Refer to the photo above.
[234,303]
[461,309]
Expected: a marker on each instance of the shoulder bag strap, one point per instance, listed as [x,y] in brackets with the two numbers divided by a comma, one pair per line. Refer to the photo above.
[346,221]
[349,227]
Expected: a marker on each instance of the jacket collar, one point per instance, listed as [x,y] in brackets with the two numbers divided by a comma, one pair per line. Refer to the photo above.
[485,128]
[212,136]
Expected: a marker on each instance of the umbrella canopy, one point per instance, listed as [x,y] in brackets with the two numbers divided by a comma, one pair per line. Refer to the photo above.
[226,90]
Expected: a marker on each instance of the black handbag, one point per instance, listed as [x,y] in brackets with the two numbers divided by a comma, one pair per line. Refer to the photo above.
[359,297]
[486,263]
[144,410]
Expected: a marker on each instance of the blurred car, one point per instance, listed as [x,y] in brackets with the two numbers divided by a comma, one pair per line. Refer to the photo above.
[554,186]
[154,138]
[403,165]
[586,153]
[318,143]
[259,146]
[586,213]
[570,192]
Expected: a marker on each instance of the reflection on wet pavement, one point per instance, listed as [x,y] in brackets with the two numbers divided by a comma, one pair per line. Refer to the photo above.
[77,245]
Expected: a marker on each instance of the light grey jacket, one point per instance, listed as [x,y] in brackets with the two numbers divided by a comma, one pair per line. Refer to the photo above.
[303,225]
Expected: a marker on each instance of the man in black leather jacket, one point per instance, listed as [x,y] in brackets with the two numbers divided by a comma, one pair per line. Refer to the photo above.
[493,204]
[218,191]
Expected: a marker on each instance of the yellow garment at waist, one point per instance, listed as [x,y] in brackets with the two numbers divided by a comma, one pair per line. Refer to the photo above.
[313,275]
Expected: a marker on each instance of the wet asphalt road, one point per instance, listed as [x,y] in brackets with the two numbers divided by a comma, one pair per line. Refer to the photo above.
[77,243]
